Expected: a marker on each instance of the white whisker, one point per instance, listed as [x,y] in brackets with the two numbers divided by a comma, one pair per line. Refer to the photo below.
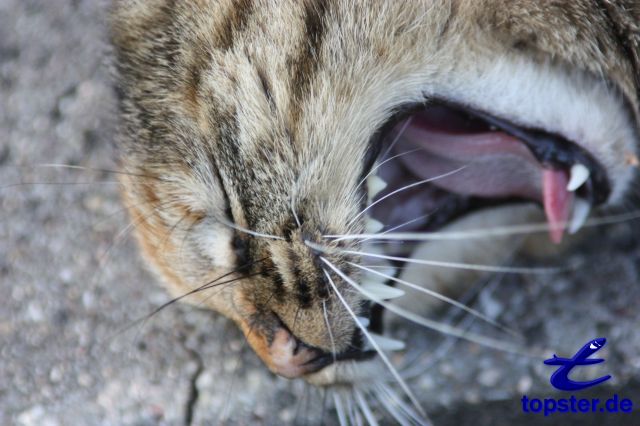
[326,320]
[397,415]
[443,264]
[353,416]
[483,233]
[364,330]
[384,162]
[248,231]
[398,136]
[390,394]
[364,407]
[419,366]
[337,402]
[409,222]
[89,169]
[402,225]
[456,265]
[425,322]
[404,188]
[442,298]
[358,415]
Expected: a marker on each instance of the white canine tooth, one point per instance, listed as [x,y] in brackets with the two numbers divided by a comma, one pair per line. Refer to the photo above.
[387,344]
[373,226]
[381,291]
[581,210]
[375,185]
[579,175]
[364,321]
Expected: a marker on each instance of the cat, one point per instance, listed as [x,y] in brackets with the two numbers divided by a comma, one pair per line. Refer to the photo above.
[275,154]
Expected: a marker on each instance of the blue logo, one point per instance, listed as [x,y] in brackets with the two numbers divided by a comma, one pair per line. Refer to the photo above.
[560,378]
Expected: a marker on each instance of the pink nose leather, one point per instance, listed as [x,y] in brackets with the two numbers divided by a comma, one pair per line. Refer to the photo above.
[281,351]
[289,358]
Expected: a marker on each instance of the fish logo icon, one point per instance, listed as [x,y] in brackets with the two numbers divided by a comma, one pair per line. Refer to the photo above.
[560,378]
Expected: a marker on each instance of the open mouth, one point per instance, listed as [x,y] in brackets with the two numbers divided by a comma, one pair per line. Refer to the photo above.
[454,160]
[439,162]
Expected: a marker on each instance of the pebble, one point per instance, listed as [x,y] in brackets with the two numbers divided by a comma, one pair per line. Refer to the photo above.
[35,312]
[489,377]
[85,380]
[524,384]
[56,374]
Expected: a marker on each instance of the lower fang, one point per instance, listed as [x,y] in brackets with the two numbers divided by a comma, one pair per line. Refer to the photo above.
[581,210]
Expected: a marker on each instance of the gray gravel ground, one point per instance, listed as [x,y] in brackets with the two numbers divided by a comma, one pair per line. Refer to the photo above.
[71,279]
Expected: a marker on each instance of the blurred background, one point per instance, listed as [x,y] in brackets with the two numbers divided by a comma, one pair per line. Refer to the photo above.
[73,285]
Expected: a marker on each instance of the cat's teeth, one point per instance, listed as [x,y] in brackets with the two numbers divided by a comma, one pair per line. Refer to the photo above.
[581,210]
[387,344]
[364,321]
[579,175]
[373,226]
[381,291]
[375,185]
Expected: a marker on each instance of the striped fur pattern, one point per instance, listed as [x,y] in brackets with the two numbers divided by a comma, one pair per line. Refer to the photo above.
[258,115]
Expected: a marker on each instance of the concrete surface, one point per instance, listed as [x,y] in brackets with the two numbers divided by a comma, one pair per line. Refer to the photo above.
[71,281]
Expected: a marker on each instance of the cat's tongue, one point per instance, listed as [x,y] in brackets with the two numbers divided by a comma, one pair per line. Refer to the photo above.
[486,164]
[557,201]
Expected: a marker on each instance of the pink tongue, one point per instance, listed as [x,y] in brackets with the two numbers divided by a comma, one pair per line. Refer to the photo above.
[557,201]
[495,165]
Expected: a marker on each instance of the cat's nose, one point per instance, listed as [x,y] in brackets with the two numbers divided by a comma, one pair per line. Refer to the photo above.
[291,358]
[286,355]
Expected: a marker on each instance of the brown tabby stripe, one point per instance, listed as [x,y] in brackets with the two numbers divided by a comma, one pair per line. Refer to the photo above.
[305,63]
[279,290]
[235,22]
[302,290]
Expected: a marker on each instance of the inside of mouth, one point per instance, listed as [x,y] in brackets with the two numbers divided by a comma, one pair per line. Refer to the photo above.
[443,161]
[467,161]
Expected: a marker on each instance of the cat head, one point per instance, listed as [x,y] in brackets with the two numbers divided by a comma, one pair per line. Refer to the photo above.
[260,141]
